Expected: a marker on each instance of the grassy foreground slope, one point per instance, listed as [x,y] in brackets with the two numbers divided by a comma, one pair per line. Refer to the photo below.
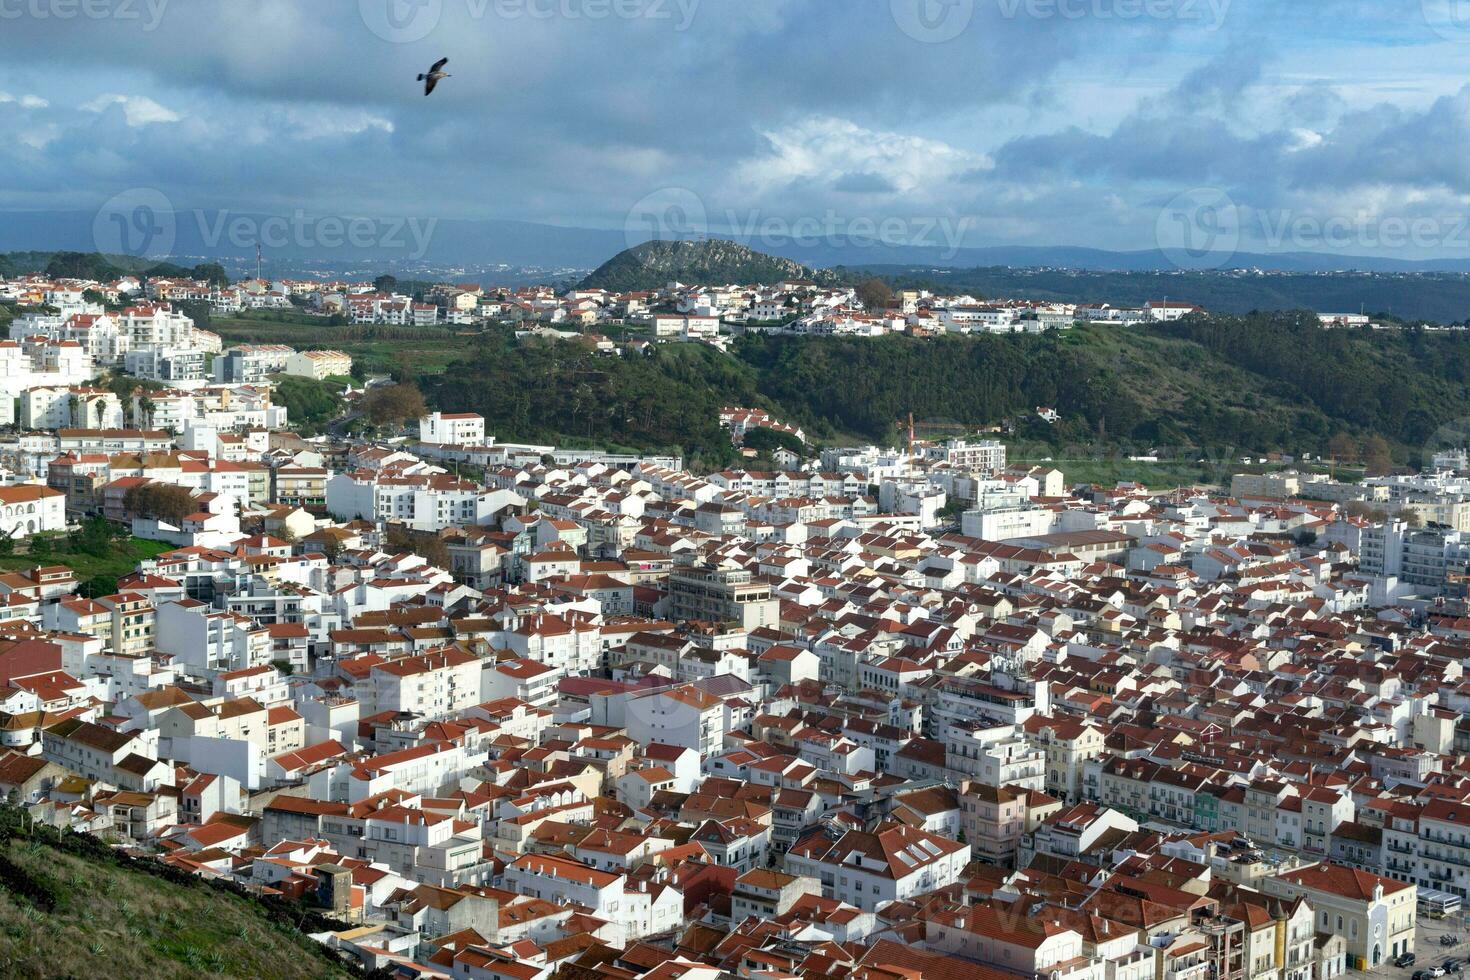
[64,915]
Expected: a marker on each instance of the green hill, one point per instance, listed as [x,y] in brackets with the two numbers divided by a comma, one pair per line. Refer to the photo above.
[70,907]
[1248,384]
[102,268]
[714,261]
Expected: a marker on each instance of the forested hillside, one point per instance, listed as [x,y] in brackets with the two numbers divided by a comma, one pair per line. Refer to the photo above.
[1255,383]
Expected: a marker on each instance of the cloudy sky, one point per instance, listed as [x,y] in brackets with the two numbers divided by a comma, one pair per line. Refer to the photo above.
[1317,124]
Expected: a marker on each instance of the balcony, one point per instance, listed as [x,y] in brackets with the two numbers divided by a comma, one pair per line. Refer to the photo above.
[1456,860]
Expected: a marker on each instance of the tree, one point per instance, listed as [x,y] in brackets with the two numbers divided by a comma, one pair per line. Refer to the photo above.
[1342,447]
[953,509]
[160,501]
[385,283]
[426,544]
[307,402]
[81,265]
[764,440]
[98,586]
[394,403]
[197,310]
[95,537]
[874,294]
[1377,456]
[1365,510]
[212,273]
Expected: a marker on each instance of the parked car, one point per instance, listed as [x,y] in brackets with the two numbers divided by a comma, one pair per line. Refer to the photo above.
[1435,972]
[1420,975]
[1404,959]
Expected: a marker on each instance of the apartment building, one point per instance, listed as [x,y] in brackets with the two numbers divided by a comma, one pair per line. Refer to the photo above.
[721,595]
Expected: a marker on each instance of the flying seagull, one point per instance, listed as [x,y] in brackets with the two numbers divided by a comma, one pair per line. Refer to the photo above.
[436,72]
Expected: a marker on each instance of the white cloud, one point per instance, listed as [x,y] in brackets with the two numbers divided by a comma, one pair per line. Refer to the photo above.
[1304,139]
[826,149]
[318,122]
[25,101]
[139,110]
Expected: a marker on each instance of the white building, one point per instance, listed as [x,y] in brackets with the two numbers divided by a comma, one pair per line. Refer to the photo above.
[318,364]
[870,869]
[453,429]
[424,503]
[26,510]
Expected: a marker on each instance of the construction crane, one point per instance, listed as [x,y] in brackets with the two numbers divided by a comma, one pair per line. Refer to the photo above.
[1462,579]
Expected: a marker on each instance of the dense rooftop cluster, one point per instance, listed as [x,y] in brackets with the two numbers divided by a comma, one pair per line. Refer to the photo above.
[508,711]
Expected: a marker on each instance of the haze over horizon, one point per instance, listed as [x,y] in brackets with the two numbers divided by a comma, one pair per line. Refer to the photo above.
[1224,126]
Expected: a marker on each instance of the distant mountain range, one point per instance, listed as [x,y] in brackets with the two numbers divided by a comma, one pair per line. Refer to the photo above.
[394,243]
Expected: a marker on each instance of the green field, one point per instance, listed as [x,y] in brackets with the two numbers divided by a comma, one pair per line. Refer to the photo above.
[89,567]
[380,350]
